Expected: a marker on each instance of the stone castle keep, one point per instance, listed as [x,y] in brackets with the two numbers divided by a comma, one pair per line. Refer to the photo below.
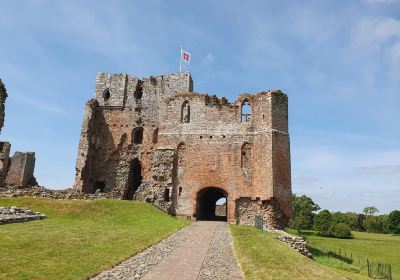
[156,140]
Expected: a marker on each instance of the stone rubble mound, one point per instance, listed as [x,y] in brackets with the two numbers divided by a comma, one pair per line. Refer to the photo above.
[38,191]
[13,214]
[296,242]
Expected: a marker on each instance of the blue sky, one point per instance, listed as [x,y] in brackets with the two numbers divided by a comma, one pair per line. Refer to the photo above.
[338,61]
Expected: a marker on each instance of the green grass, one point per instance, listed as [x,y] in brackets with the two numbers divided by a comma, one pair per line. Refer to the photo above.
[80,238]
[383,248]
[262,256]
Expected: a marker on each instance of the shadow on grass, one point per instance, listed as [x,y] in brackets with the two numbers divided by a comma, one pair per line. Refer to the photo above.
[334,255]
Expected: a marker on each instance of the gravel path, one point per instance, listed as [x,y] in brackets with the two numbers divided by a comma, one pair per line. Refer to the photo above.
[220,262]
[202,251]
[137,266]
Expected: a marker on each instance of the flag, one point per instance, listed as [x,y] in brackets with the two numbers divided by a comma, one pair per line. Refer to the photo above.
[186,56]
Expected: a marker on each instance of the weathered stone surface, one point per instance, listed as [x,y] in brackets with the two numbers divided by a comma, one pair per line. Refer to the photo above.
[295,242]
[38,191]
[3,96]
[20,172]
[4,159]
[14,214]
[156,140]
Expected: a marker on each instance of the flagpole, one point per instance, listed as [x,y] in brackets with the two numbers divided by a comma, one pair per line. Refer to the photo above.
[180,60]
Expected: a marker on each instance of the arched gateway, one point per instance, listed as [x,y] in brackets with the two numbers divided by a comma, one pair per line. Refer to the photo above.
[206,207]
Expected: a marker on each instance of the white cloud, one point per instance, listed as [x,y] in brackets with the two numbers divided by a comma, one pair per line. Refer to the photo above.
[382,1]
[379,169]
[209,59]
[39,104]
[375,33]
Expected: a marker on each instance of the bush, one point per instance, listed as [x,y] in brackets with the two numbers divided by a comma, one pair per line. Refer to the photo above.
[323,222]
[341,230]
[377,224]
[394,222]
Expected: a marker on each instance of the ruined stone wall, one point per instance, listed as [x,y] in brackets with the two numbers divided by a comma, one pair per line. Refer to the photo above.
[20,172]
[3,96]
[247,209]
[4,159]
[123,106]
[191,142]
[214,140]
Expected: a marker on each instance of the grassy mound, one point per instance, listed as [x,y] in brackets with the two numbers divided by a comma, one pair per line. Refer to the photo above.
[261,256]
[79,238]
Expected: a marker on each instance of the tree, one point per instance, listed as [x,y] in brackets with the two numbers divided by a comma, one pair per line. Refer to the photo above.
[370,210]
[303,209]
[323,223]
[341,230]
[378,224]
[348,218]
[394,222]
[360,222]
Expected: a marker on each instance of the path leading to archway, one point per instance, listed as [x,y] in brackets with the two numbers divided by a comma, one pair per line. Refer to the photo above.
[203,251]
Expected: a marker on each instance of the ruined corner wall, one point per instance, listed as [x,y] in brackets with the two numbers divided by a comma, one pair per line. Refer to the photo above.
[160,188]
[281,153]
[119,131]
[20,172]
[247,209]
[4,159]
[3,96]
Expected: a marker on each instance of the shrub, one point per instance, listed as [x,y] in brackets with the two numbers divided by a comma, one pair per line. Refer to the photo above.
[394,222]
[377,224]
[323,223]
[341,230]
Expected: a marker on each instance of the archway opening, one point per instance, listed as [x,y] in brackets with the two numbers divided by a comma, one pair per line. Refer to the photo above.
[212,204]
[134,179]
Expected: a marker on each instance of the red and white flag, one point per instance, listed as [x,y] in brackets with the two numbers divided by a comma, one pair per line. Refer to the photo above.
[185,56]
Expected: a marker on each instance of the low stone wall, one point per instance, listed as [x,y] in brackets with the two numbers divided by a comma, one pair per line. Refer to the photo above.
[13,214]
[296,242]
[38,191]
[247,209]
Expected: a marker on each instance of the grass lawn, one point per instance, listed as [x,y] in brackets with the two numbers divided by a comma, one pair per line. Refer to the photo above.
[261,256]
[383,248]
[79,238]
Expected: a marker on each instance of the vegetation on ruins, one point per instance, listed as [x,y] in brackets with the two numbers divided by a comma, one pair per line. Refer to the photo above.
[80,237]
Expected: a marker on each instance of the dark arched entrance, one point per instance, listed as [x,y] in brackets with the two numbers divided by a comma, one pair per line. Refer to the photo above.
[134,179]
[206,204]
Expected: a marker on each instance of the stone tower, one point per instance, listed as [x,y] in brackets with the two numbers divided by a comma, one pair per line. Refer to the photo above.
[156,140]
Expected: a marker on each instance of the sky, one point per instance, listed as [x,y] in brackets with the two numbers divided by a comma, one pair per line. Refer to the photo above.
[338,62]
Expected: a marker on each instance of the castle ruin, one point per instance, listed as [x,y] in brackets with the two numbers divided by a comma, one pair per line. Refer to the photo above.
[16,171]
[156,140]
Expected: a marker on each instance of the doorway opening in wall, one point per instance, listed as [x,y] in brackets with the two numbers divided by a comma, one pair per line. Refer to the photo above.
[212,204]
[134,179]
[99,185]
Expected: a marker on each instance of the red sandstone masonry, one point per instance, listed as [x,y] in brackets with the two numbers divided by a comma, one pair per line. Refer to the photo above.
[210,146]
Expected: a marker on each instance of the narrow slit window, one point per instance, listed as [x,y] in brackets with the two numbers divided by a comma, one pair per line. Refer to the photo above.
[137,135]
[185,112]
[246,155]
[106,94]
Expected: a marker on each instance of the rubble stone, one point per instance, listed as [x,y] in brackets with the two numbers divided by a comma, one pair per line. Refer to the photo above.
[14,214]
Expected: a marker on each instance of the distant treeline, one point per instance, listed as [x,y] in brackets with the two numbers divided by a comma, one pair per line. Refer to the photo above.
[339,224]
